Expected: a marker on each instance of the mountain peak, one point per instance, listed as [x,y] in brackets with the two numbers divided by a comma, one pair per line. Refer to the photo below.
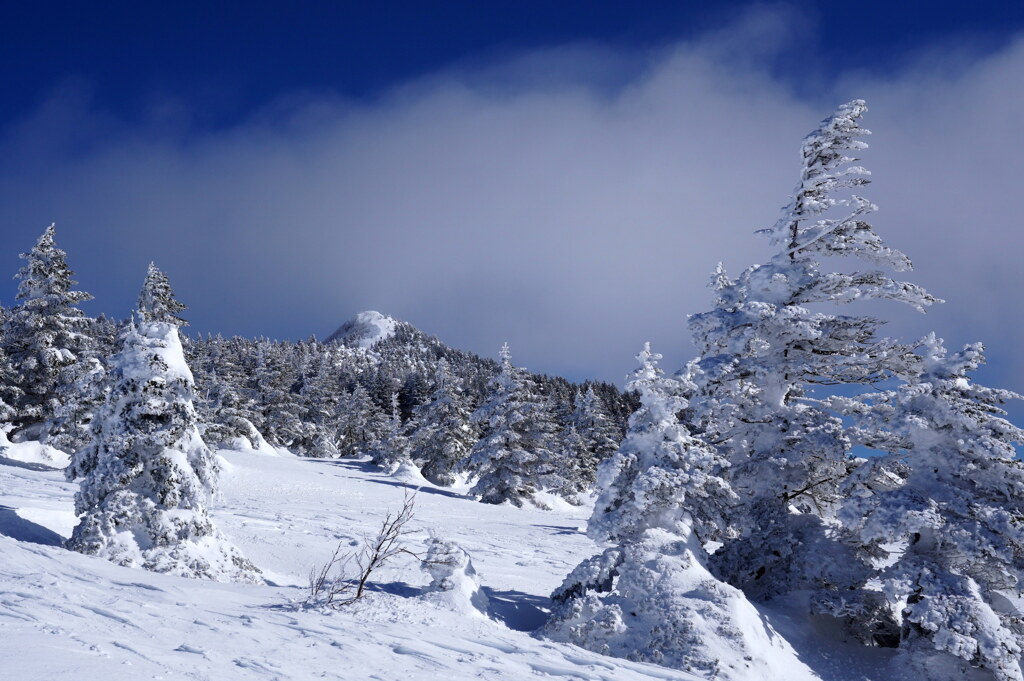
[365,330]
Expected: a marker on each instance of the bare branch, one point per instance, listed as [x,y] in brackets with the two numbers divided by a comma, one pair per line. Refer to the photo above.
[330,584]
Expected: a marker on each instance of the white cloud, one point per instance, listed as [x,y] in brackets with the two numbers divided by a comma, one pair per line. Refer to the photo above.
[572,211]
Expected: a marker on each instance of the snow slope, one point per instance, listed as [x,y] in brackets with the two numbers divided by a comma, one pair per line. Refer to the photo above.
[68,617]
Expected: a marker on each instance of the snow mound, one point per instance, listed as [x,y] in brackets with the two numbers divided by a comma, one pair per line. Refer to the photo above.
[653,600]
[408,473]
[365,330]
[454,582]
[32,452]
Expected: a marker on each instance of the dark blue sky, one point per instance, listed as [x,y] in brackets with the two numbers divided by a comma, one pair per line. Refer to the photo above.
[228,58]
[561,175]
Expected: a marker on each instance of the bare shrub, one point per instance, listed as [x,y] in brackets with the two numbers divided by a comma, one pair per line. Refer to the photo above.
[331,584]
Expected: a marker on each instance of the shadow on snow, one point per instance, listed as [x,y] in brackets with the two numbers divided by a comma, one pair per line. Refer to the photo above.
[14,526]
[517,610]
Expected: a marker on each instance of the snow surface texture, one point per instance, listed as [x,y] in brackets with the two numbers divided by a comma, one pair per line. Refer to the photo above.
[69,617]
[365,330]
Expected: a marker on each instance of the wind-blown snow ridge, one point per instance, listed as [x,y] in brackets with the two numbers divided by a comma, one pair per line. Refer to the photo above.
[365,330]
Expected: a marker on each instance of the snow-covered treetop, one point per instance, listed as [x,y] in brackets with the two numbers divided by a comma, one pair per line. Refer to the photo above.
[825,218]
[46,274]
[157,302]
[661,477]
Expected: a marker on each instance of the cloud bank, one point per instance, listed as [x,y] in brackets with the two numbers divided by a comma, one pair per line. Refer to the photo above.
[571,201]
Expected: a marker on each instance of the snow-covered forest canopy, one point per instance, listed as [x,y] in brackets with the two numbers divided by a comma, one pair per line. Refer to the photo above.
[807,498]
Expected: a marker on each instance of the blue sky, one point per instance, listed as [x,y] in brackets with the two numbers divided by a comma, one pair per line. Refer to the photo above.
[560,175]
[227,58]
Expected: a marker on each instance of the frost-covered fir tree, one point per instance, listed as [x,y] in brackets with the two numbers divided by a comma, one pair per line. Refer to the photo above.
[514,458]
[361,422]
[273,379]
[157,302]
[661,476]
[45,336]
[590,417]
[588,438]
[442,435]
[392,449]
[224,419]
[144,500]
[9,391]
[576,465]
[959,513]
[650,596]
[320,395]
[763,351]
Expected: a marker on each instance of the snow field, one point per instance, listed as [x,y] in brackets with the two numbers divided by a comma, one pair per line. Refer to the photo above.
[69,617]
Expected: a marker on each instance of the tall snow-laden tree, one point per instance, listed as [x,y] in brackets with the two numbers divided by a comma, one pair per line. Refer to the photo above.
[144,499]
[514,458]
[442,435]
[590,424]
[576,465]
[764,354]
[9,391]
[392,447]
[157,302]
[45,336]
[649,596]
[959,513]
[590,417]
[361,422]
[661,476]
[319,396]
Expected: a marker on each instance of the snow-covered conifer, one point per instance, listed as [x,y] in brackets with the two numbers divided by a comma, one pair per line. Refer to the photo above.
[650,596]
[763,352]
[959,511]
[9,391]
[361,422]
[157,302]
[392,448]
[514,459]
[45,335]
[576,465]
[661,476]
[591,420]
[454,582]
[149,475]
[442,435]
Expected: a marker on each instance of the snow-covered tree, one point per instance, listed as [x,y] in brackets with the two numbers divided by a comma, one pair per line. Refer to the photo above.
[361,422]
[149,475]
[157,302]
[650,596]
[764,352]
[45,335]
[442,435]
[661,476]
[392,448]
[319,399]
[9,391]
[958,511]
[576,465]
[590,417]
[588,438]
[514,459]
